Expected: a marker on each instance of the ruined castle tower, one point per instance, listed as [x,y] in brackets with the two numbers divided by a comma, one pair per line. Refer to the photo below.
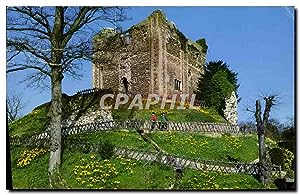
[153,56]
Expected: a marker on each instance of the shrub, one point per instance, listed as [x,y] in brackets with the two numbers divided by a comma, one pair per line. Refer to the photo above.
[288,158]
[277,156]
[106,150]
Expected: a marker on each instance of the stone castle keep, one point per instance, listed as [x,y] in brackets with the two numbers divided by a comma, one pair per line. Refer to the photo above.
[152,56]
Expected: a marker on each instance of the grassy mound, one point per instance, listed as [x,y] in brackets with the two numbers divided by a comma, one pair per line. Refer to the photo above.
[34,122]
[89,171]
[38,120]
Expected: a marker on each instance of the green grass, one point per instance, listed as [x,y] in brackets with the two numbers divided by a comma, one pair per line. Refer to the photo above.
[80,171]
[184,115]
[177,115]
[32,176]
[37,120]
[34,122]
[122,138]
[196,180]
[192,145]
[195,145]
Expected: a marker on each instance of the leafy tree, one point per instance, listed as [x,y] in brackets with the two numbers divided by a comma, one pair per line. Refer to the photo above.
[288,137]
[51,42]
[273,128]
[221,89]
[217,82]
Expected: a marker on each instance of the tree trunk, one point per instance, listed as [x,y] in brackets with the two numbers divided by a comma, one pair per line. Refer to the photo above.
[55,124]
[262,149]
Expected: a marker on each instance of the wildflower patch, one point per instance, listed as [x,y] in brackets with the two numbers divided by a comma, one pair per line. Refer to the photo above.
[30,155]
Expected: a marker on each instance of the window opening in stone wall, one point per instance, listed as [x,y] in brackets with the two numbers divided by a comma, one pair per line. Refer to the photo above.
[177,84]
[189,73]
[125,84]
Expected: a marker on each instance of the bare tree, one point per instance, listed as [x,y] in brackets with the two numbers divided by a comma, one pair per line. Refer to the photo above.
[14,105]
[261,124]
[53,42]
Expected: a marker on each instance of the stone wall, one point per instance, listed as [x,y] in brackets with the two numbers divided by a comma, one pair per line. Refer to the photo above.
[154,53]
[230,111]
[90,117]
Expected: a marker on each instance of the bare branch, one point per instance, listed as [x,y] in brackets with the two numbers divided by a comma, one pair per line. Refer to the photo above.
[258,116]
[27,29]
[14,105]
[247,109]
[25,67]
[270,102]
[35,16]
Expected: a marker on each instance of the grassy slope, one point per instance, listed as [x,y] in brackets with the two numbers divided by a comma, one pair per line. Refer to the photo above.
[123,138]
[126,174]
[184,115]
[181,115]
[31,123]
[152,176]
[194,145]
[37,120]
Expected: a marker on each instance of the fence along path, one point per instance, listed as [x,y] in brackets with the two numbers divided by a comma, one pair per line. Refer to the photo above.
[204,165]
[175,160]
[130,125]
[146,125]
[42,139]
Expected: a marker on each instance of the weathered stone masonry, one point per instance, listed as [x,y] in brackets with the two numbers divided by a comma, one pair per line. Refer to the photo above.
[155,58]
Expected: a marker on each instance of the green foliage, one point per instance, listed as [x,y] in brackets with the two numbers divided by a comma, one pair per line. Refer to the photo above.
[221,89]
[288,158]
[217,83]
[272,129]
[277,156]
[288,138]
[283,158]
[202,43]
[106,149]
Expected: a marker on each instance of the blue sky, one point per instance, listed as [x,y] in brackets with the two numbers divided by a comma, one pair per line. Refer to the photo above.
[256,42]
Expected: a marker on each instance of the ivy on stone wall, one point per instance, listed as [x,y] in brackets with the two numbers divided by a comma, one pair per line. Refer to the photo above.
[202,43]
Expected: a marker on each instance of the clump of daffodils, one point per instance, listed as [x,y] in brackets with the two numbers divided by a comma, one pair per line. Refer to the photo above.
[30,155]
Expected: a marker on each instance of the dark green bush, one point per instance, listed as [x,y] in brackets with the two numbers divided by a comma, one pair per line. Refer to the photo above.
[277,156]
[106,150]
